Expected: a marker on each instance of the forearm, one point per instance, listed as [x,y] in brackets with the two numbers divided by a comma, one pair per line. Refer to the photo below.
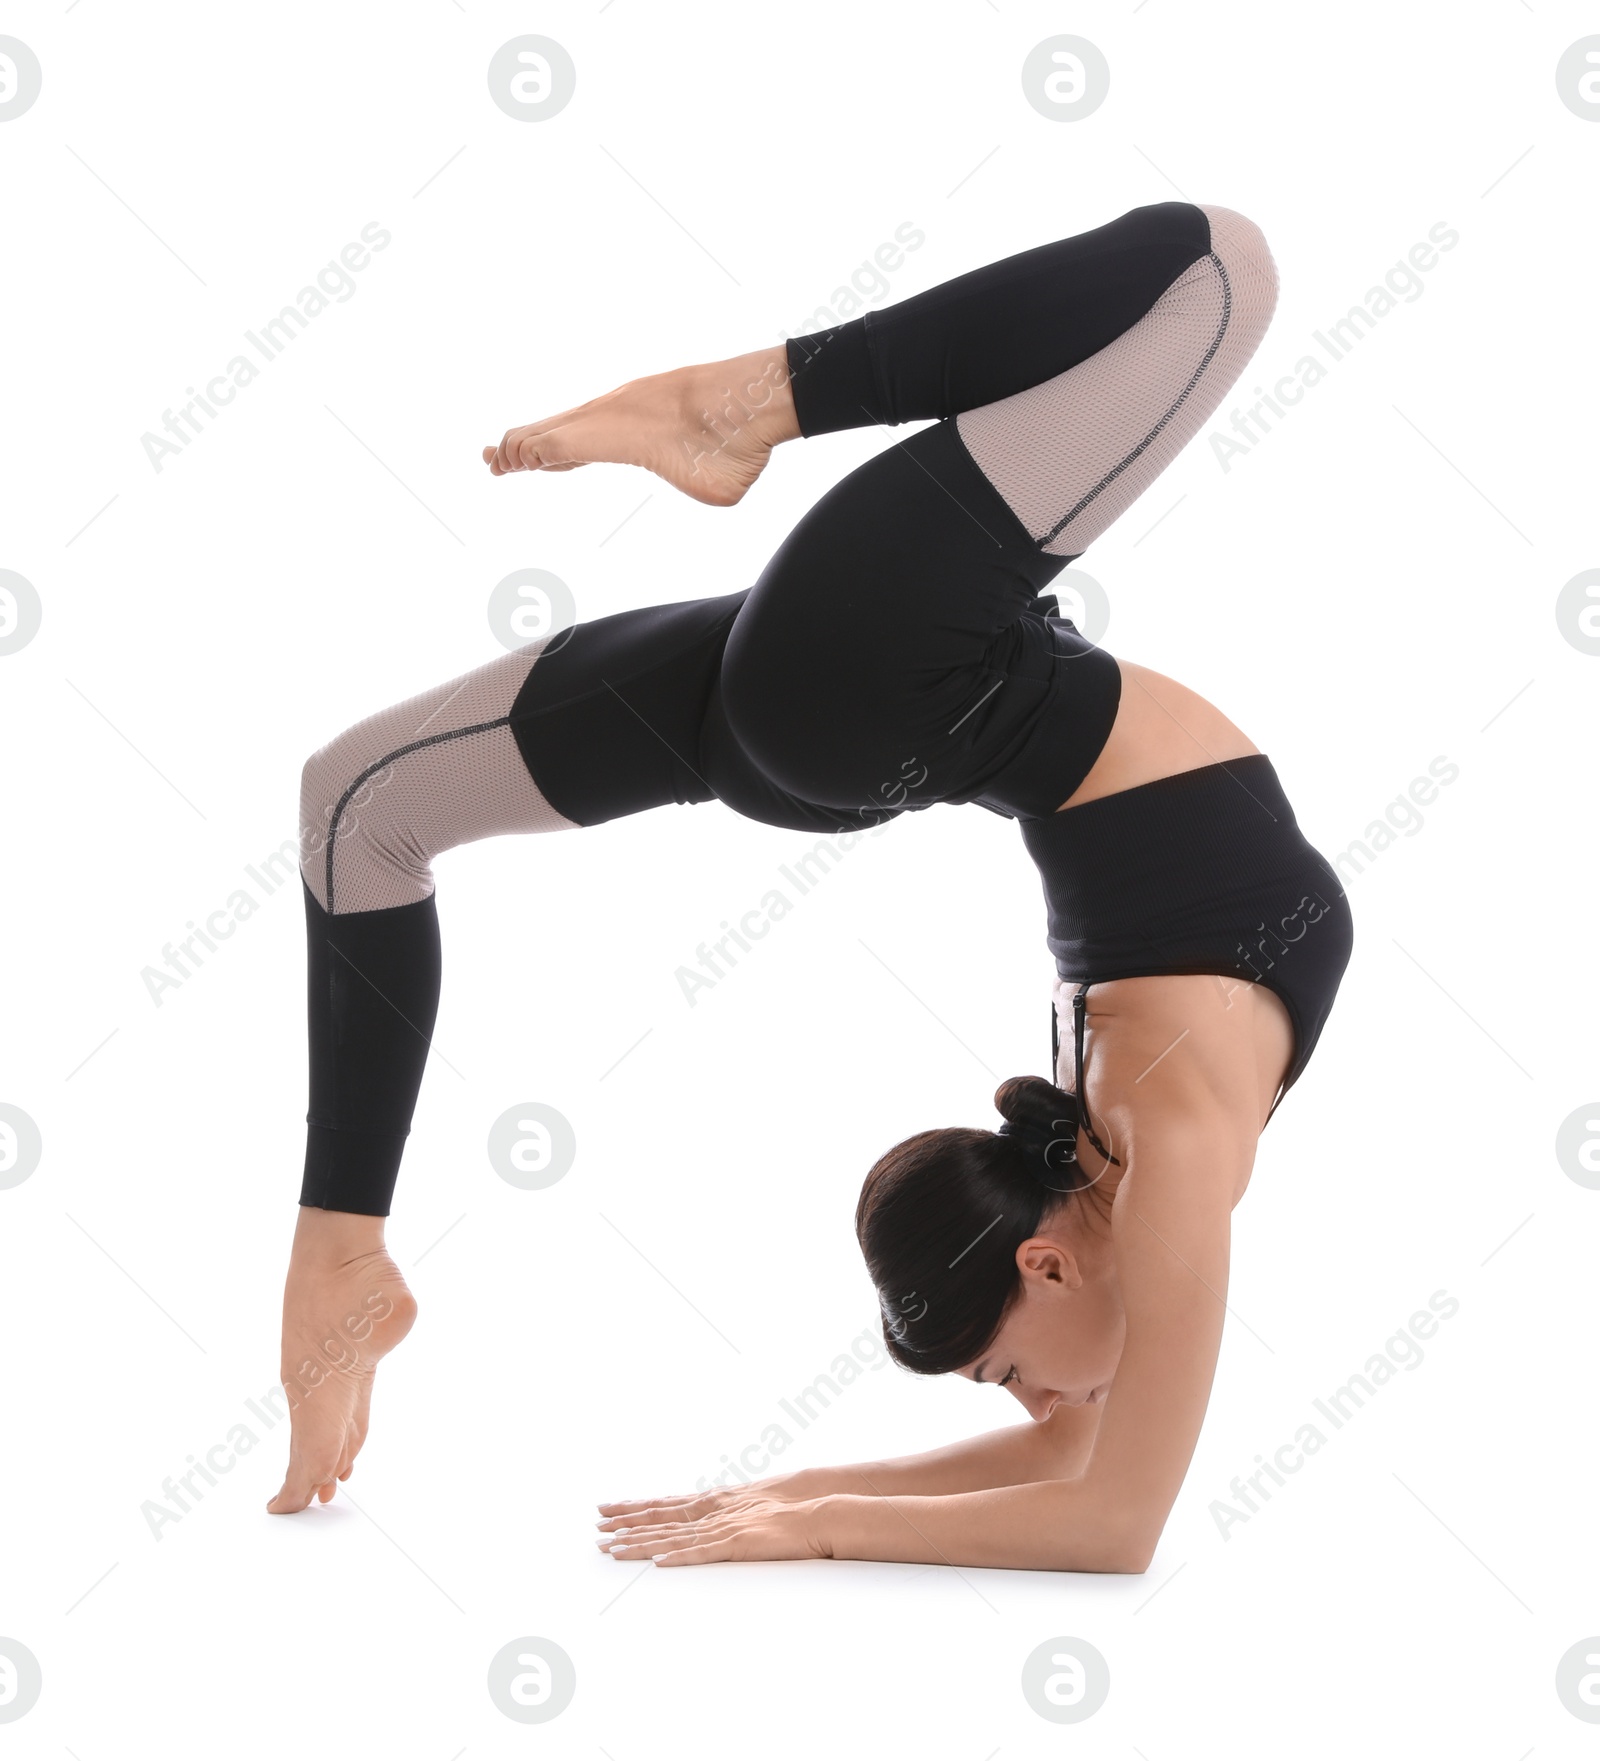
[1056,1448]
[1052,1525]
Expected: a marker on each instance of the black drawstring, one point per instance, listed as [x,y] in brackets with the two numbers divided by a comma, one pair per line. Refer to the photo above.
[1079,1005]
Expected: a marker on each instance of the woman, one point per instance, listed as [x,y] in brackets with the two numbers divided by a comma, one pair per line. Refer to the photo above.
[898,651]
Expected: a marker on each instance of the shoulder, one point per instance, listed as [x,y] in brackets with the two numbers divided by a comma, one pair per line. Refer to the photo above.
[1190,1161]
[1181,1061]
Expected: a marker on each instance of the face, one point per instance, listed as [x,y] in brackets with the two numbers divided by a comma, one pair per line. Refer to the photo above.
[1060,1343]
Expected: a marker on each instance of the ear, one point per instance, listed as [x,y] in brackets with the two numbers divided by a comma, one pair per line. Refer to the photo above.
[1043,1261]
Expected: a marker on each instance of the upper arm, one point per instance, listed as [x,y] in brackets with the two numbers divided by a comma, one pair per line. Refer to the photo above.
[1170,1229]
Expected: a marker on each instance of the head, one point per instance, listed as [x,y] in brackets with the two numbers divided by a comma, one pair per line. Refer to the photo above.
[992,1254]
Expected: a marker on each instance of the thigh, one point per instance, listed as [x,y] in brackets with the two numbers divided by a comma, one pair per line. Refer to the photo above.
[897,629]
[1073,452]
[625,713]
[890,650]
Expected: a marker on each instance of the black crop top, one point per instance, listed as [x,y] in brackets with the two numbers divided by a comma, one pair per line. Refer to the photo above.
[1206,871]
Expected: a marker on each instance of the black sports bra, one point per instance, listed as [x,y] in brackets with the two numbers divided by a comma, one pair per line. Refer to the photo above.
[1206,871]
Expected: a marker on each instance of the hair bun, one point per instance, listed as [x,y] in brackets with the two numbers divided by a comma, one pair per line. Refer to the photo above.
[1041,1119]
[1021,1098]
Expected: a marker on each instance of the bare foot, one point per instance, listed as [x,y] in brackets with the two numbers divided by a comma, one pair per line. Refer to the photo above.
[708,430]
[345,1306]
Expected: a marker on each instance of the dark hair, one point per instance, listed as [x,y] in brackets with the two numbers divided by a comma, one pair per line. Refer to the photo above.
[941,1216]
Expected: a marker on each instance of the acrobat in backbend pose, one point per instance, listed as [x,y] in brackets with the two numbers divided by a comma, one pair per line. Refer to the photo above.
[898,651]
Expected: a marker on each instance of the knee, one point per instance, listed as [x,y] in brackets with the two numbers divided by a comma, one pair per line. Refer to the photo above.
[1242,249]
[319,799]
[340,791]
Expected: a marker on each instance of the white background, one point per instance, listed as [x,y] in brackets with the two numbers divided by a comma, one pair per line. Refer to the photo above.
[1372,587]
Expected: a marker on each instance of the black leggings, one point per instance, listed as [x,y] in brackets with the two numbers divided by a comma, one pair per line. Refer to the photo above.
[898,650]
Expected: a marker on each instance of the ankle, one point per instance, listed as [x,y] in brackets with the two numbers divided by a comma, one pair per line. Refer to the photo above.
[745,394]
[326,1240]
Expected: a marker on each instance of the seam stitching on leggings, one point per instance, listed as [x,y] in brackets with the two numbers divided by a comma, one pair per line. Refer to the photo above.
[1149,439]
[503,721]
[879,380]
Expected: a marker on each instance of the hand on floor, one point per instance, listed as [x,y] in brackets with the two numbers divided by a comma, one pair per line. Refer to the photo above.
[747,1523]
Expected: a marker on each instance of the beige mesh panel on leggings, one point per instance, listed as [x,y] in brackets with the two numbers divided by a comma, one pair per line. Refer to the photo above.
[386,796]
[1070,454]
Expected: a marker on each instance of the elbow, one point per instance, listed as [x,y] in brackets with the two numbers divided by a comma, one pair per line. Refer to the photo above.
[1132,1559]
[1131,1543]
[1117,1555]
[1116,1542]
[1103,1556]
[1085,1526]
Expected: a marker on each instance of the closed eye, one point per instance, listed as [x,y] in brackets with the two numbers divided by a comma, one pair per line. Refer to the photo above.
[1009,1376]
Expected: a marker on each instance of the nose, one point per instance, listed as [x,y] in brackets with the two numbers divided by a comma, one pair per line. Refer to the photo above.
[1037,1406]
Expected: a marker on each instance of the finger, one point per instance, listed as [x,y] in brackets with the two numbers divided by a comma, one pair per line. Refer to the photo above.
[634,1550]
[629,1543]
[639,1543]
[672,1510]
[621,1506]
[708,1553]
[662,1515]
[631,1537]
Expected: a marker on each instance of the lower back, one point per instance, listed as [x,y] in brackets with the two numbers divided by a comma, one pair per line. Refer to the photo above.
[1162,728]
